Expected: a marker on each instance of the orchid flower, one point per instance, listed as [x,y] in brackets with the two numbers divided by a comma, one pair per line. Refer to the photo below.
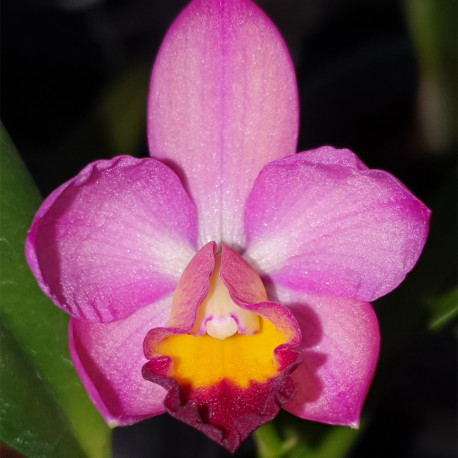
[225,276]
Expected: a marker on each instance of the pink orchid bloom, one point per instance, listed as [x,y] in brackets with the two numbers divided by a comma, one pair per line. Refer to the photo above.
[225,276]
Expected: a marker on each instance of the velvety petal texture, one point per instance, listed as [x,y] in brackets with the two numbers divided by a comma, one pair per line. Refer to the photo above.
[339,349]
[108,358]
[322,223]
[222,103]
[113,239]
[226,387]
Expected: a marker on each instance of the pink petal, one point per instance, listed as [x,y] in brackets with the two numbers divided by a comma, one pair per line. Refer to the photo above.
[222,103]
[322,223]
[108,358]
[113,239]
[340,347]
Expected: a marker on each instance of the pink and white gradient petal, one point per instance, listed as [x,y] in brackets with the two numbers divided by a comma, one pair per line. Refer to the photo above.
[322,223]
[113,239]
[222,103]
[340,347]
[108,358]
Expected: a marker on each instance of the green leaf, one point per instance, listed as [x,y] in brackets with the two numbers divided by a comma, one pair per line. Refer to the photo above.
[433,29]
[291,437]
[336,441]
[443,309]
[121,110]
[269,444]
[25,402]
[44,409]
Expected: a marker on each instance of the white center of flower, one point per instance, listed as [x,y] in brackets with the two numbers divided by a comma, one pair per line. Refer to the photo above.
[218,315]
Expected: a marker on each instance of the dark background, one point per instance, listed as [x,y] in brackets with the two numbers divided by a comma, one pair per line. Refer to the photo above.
[73,86]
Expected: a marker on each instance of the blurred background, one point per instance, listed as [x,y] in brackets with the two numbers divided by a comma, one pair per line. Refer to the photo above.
[377,77]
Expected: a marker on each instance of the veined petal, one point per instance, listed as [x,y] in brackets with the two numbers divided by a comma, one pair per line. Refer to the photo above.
[108,358]
[339,349]
[113,239]
[229,385]
[222,103]
[322,223]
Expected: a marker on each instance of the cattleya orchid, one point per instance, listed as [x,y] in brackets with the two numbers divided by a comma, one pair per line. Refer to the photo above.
[225,276]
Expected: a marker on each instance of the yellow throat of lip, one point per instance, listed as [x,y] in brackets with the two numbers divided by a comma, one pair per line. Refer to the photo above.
[226,342]
[202,361]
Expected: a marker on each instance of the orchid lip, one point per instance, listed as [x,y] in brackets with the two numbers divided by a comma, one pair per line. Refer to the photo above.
[229,385]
